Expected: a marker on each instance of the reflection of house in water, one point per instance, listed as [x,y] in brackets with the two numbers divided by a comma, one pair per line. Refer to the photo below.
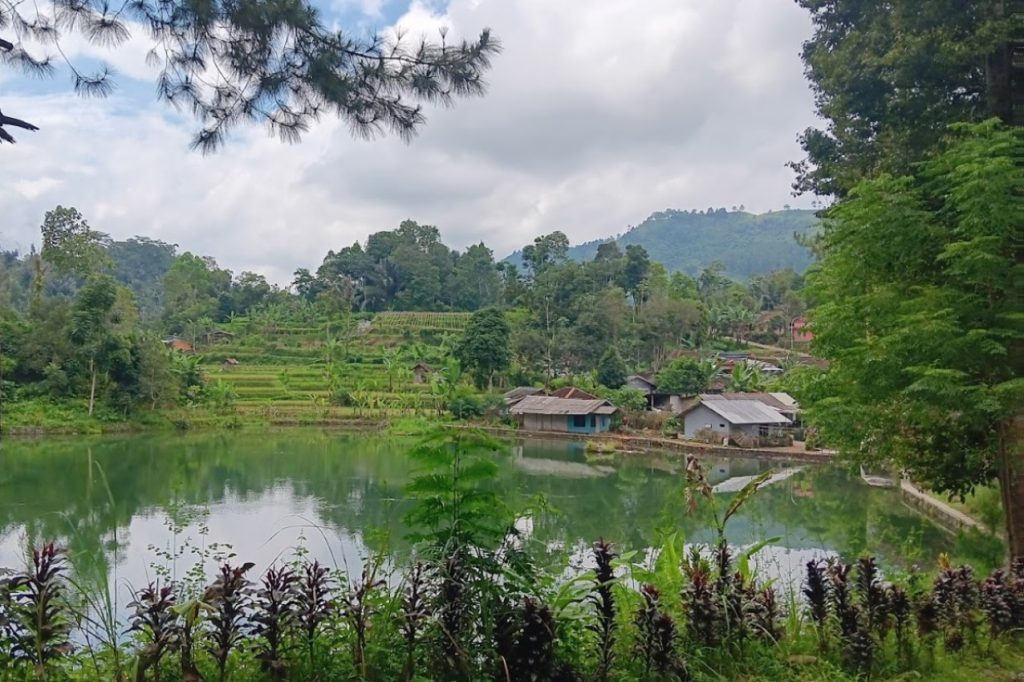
[718,470]
[560,468]
[556,468]
[737,483]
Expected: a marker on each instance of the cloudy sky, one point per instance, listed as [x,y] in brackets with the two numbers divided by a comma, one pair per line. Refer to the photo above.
[598,113]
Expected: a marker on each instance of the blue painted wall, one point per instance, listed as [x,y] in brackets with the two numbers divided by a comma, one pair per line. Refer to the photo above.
[595,423]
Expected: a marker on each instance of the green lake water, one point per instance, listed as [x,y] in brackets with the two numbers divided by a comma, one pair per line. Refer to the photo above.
[123,506]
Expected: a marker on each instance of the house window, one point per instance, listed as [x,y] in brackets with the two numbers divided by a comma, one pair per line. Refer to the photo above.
[579,421]
[721,426]
[593,420]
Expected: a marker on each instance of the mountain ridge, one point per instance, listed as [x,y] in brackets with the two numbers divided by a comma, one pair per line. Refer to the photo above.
[689,240]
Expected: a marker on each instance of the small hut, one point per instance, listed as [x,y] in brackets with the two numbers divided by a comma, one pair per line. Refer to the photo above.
[421,373]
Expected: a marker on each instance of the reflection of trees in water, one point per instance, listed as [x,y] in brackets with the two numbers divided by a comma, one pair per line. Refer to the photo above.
[58,490]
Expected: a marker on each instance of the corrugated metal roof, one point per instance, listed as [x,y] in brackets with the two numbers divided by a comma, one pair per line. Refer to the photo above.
[783,402]
[744,411]
[520,392]
[785,399]
[539,404]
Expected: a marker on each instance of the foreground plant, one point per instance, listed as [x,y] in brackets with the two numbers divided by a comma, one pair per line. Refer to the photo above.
[228,597]
[274,613]
[657,639]
[153,618]
[603,600]
[39,613]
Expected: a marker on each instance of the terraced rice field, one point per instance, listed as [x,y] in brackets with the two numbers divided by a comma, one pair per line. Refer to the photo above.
[287,365]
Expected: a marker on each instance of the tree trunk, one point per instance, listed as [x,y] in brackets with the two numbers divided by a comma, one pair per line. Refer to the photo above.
[92,385]
[1011,483]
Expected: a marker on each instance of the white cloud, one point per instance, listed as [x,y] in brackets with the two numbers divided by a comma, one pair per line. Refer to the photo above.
[598,113]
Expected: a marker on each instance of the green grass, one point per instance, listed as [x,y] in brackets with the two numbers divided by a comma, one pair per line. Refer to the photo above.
[985,505]
[71,416]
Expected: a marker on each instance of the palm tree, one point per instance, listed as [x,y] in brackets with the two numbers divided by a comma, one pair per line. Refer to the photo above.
[331,350]
[444,383]
[390,356]
[746,378]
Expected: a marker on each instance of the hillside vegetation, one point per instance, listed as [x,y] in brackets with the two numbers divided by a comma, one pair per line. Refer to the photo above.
[746,244]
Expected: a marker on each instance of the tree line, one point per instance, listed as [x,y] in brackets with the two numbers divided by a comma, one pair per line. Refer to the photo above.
[85,315]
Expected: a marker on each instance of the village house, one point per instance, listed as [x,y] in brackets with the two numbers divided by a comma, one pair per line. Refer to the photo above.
[421,373]
[745,422]
[518,393]
[566,415]
[572,392]
[800,331]
[647,383]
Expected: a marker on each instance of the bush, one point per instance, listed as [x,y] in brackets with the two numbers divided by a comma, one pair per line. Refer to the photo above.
[465,404]
[625,398]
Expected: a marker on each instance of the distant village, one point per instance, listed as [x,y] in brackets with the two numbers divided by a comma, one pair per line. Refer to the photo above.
[762,419]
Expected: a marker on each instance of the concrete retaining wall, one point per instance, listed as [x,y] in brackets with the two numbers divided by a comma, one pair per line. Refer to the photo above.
[944,515]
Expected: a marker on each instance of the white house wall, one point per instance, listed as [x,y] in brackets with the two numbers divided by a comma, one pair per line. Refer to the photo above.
[701,418]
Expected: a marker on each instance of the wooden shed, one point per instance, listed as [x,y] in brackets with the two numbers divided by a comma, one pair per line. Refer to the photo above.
[421,373]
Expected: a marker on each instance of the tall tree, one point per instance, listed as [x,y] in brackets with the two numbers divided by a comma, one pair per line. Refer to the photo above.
[93,328]
[545,251]
[475,282]
[888,77]
[686,376]
[919,317]
[485,349]
[635,271]
[611,370]
[70,246]
[277,62]
[193,289]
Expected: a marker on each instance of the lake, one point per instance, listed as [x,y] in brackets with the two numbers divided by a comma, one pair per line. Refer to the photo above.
[133,508]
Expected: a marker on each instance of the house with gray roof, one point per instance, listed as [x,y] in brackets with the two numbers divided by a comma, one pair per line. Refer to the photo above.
[712,418]
[519,392]
[567,415]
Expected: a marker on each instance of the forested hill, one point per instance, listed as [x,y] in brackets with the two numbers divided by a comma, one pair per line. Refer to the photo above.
[688,241]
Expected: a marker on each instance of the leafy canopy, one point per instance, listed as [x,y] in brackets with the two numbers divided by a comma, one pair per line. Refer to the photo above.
[484,348]
[888,77]
[278,62]
[611,369]
[918,312]
[686,376]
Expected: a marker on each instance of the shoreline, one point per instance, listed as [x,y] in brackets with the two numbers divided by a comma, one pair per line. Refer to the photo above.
[171,422]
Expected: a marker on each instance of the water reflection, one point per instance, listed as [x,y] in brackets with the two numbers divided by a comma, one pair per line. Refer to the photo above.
[127,506]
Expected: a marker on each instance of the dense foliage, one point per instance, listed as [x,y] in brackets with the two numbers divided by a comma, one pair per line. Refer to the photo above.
[919,315]
[888,79]
[84,319]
